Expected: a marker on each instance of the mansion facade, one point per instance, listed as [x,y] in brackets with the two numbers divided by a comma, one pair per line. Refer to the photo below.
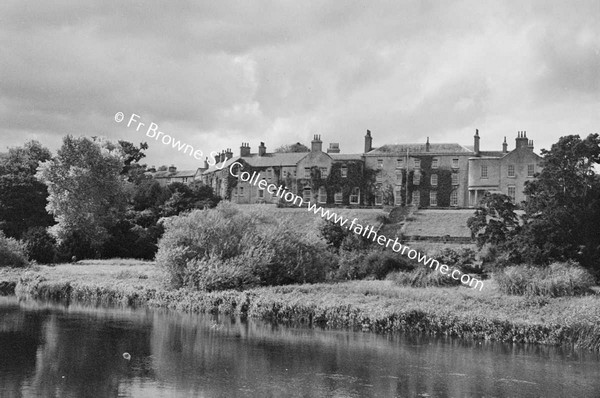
[425,175]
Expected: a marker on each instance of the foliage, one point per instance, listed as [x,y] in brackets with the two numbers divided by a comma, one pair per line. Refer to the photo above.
[495,220]
[12,252]
[184,198]
[297,147]
[463,258]
[226,235]
[556,280]
[376,264]
[22,197]
[86,194]
[423,277]
[41,246]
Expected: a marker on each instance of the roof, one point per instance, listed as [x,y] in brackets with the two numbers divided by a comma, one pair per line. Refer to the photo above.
[400,149]
[267,160]
[184,173]
[496,154]
[345,156]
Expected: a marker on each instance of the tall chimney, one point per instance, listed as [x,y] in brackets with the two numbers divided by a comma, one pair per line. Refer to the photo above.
[476,142]
[205,164]
[521,140]
[228,154]
[427,146]
[368,142]
[262,149]
[245,149]
[530,145]
[172,169]
[504,146]
[334,147]
[316,144]
[222,156]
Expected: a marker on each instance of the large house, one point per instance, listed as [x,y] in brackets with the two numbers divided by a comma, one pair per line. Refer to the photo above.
[422,174]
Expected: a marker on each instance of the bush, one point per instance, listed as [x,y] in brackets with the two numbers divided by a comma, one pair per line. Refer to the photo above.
[423,277]
[555,280]
[228,248]
[41,246]
[12,252]
[376,264]
[463,258]
[75,247]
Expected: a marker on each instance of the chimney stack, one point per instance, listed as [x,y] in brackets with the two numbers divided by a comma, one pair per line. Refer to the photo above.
[530,145]
[368,142]
[334,147]
[222,156]
[172,169]
[316,144]
[427,146]
[262,149]
[504,146]
[245,149]
[521,140]
[228,154]
[205,164]
[152,169]
[476,142]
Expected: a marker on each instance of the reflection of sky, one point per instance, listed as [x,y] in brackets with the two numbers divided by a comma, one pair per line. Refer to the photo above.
[77,352]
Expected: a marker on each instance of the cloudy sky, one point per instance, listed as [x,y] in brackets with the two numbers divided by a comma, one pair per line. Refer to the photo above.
[216,74]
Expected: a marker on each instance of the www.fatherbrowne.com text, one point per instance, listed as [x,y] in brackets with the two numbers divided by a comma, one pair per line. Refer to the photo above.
[368,231]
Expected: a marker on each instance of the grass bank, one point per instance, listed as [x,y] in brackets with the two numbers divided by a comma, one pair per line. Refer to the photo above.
[377,306]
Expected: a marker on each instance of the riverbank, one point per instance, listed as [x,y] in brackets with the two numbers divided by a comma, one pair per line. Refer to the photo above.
[377,306]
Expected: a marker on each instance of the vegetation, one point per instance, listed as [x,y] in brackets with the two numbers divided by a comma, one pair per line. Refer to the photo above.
[297,147]
[12,252]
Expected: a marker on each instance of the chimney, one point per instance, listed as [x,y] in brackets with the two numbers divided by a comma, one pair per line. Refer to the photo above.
[245,149]
[228,154]
[368,142]
[334,147]
[222,156]
[427,146]
[217,158]
[262,149]
[530,145]
[521,140]
[172,169]
[152,169]
[504,146]
[204,164]
[476,142]
[316,144]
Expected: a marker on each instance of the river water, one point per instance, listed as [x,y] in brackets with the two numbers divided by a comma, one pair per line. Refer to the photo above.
[49,350]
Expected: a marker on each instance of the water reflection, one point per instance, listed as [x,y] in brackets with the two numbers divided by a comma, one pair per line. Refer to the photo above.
[48,350]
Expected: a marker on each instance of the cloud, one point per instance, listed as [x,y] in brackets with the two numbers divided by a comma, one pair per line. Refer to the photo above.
[215,74]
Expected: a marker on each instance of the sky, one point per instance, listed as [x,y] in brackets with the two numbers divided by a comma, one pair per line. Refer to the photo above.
[214,74]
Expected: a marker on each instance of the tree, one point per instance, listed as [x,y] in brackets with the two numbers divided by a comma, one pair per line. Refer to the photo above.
[22,196]
[131,160]
[563,210]
[86,195]
[297,147]
[495,220]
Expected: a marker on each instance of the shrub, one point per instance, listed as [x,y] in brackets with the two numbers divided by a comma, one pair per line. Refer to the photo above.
[423,277]
[376,264]
[463,258]
[228,248]
[555,280]
[75,246]
[41,246]
[12,252]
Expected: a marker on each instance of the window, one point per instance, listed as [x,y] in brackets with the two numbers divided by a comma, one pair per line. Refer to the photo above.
[511,170]
[416,178]
[307,172]
[380,163]
[512,192]
[398,198]
[378,198]
[379,177]
[323,172]
[454,178]
[399,163]
[484,171]
[355,196]
[434,163]
[344,172]
[322,195]
[241,191]
[269,174]
[454,198]
[416,198]
[530,170]
[261,193]
[434,179]
[399,177]
[433,198]
[307,194]
[417,163]
[337,197]
[455,163]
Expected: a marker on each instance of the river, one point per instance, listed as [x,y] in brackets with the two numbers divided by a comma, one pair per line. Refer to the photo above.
[51,350]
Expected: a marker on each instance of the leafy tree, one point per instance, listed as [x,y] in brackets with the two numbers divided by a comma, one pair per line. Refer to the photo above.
[185,198]
[297,147]
[86,195]
[495,220]
[131,160]
[22,196]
